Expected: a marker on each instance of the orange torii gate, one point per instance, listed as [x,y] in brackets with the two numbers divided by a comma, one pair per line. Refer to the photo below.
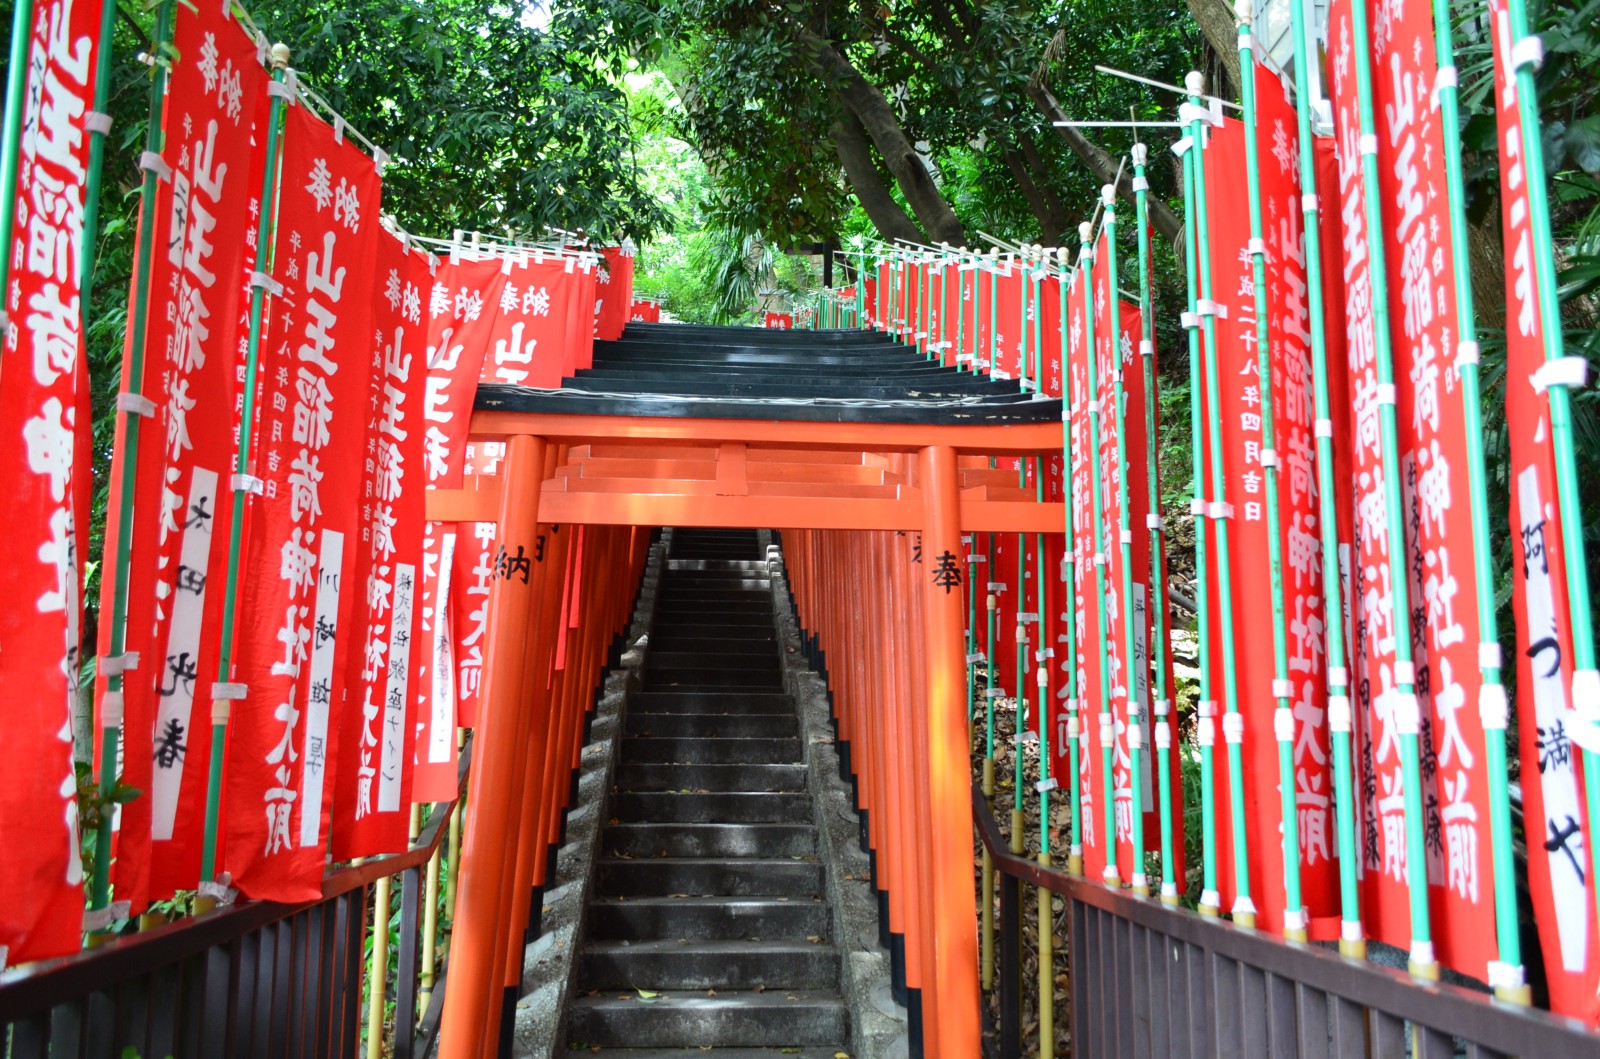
[628,471]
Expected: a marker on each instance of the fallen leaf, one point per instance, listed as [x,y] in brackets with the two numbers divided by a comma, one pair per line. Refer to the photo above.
[645,994]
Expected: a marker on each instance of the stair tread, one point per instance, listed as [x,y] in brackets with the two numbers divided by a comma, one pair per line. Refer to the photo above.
[770,946]
[824,1052]
[726,999]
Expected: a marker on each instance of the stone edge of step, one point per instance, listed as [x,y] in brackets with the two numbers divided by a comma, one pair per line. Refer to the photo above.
[874,1034]
[550,960]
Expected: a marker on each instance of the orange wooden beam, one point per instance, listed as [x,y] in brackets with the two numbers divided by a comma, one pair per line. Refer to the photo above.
[1017,439]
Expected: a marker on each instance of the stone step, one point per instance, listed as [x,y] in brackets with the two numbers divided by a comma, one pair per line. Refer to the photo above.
[775,1018]
[673,964]
[710,877]
[734,629]
[687,641]
[646,777]
[663,678]
[731,751]
[706,918]
[680,701]
[736,592]
[711,840]
[826,1051]
[713,725]
[721,807]
[665,658]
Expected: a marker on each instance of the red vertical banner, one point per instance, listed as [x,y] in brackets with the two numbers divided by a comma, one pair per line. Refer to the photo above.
[1563,898]
[1086,611]
[531,343]
[1436,525]
[199,266]
[1240,418]
[778,321]
[41,872]
[646,312]
[583,305]
[469,589]
[1008,337]
[1129,676]
[435,753]
[295,611]
[372,802]
[615,288]
[462,301]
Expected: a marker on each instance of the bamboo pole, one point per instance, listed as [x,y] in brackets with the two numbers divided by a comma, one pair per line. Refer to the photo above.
[1109,874]
[1141,885]
[1525,55]
[990,693]
[1406,712]
[264,263]
[132,384]
[1219,511]
[1492,705]
[1352,940]
[1205,726]
[1158,588]
[1070,605]
[1295,921]
[378,974]
[11,137]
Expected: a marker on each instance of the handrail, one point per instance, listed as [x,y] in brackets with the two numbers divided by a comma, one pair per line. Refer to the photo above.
[1474,1016]
[29,989]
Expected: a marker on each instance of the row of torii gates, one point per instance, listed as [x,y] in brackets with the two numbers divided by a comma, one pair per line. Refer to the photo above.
[852,468]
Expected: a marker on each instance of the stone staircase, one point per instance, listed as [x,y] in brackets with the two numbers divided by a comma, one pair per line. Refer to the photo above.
[707,933]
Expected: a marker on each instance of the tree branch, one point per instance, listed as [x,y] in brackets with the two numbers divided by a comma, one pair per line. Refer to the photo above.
[855,153]
[1104,166]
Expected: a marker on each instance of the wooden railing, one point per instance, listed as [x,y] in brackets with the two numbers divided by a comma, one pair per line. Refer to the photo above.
[251,979]
[1149,980]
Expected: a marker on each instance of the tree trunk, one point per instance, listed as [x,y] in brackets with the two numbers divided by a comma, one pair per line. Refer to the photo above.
[878,120]
[1049,233]
[1062,219]
[887,215]
[1104,166]
[1215,18]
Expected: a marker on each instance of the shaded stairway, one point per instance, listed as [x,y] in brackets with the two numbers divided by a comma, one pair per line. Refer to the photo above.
[707,925]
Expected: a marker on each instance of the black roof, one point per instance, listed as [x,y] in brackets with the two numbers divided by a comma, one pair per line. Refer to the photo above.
[687,371]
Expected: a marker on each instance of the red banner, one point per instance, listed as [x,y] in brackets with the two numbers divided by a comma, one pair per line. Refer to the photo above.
[436,689]
[372,803]
[1563,899]
[178,562]
[1241,416]
[41,873]
[462,303]
[295,626]
[1433,460]
[646,312]
[779,321]
[469,589]
[615,281]
[531,342]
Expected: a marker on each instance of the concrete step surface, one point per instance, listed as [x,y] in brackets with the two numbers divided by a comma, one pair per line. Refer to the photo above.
[719,807]
[681,964]
[713,725]
[659,777]
[710,877]
[774,1018]
[706,918]
[728,751]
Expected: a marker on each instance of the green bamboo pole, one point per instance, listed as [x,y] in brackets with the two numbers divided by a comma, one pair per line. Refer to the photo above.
[994,291]
[1352,940]
[1405,710]
[1525,56]
[990,693]
[11,138]
[132,381]
[1492,705]
[1158,568]
[1141,885]
[1069,559]
[264,263]
[1244,909]
[1210,902]
[1110,875]
[1046,783]
[1294,915]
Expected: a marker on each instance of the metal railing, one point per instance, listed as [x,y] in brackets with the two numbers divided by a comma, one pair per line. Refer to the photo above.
[1149,980]
[251,979]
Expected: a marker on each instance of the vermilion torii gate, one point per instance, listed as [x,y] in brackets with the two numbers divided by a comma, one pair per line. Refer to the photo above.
[933,477]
